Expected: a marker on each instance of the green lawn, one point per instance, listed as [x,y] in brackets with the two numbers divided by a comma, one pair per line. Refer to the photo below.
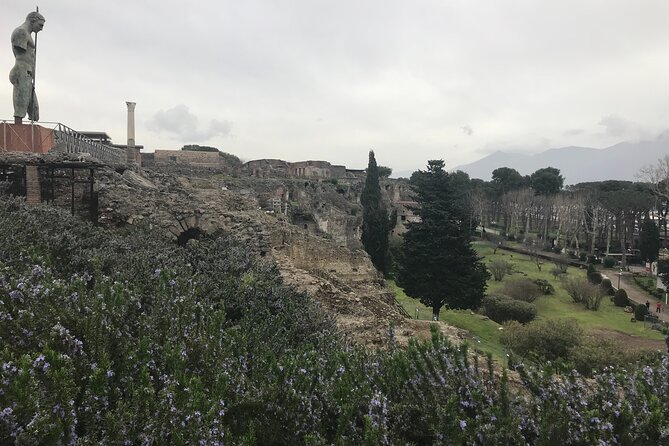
[560,304]
[485,333]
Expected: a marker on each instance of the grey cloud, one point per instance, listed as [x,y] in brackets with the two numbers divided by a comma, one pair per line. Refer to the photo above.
[574,132]
[467,130]
[615,125]
[183,125]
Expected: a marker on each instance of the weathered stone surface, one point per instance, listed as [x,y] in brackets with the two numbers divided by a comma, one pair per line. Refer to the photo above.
[342,280]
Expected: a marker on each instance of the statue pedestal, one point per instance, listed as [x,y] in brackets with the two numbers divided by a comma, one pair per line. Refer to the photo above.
[25,138]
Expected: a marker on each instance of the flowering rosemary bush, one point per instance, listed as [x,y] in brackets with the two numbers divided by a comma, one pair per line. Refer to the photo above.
[119,337]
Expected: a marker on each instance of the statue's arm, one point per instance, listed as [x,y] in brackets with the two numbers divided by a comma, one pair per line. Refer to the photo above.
[20,40]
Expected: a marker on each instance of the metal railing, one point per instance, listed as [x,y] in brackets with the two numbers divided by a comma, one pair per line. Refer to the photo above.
[69,141]
[76,143]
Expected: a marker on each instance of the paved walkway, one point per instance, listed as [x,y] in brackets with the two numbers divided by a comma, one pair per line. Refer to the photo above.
[636,294]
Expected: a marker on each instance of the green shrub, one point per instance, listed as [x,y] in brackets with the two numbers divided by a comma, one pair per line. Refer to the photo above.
[502,308]
[522,289]
[640,312]
[545,286]
[545,340]
[607,287]
[594,276]
[562,265]
[620,298]
[500,268]
[609,262]
[583,292]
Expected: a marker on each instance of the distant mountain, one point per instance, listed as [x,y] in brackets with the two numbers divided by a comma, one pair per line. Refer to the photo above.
[578,164]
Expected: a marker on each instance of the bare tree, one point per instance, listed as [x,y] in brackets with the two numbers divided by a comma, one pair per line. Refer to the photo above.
[658,177]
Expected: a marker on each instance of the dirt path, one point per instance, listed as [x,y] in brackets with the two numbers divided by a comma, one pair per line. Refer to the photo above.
[629,341]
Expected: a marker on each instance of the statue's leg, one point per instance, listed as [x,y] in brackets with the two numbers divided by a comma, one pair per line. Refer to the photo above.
[22,92]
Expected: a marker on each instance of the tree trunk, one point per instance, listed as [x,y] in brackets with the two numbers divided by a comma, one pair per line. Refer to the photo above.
[435,312]
[608,238]
[621,236]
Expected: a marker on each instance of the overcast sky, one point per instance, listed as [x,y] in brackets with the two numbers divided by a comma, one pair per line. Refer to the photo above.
[310,79]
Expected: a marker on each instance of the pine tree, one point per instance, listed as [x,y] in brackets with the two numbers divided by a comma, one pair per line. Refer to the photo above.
[375,224]
[438,264]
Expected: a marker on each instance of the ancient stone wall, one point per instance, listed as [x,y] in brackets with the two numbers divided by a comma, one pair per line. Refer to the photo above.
[187,157]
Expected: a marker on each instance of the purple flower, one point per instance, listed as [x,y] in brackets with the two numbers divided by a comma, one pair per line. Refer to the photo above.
[463,424]
[40,362]
[38,271]
[16,295]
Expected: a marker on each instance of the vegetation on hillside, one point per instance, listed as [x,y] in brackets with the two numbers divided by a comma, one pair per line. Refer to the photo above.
[126,338]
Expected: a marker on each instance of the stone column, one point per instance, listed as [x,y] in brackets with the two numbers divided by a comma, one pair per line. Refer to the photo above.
[131,131]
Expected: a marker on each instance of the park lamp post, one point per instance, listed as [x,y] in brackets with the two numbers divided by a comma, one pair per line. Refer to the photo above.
[619,275]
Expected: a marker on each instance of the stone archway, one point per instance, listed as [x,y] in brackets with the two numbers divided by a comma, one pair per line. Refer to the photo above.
[189,234]
[187,228]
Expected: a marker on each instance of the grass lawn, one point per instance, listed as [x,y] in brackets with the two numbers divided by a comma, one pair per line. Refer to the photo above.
[560,304]
[485,333]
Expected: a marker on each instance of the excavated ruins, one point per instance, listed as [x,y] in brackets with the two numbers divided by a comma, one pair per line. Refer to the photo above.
[342,280]
[310,229]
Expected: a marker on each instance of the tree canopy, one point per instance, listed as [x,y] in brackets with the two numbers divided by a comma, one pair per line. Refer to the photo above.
[505,179]
[438,264]
[546,181]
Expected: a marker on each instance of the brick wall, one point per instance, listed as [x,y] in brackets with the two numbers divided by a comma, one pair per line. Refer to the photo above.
[32,185]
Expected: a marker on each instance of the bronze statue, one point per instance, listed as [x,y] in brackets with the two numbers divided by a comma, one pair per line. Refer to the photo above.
[22,76]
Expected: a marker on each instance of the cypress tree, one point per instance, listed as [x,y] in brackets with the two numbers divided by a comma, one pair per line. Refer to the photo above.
[375,224]
[437,263]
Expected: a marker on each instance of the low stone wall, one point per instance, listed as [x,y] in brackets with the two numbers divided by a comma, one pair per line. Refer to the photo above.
[192,158]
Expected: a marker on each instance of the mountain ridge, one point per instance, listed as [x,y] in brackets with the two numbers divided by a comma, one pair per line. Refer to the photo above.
[621,161]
